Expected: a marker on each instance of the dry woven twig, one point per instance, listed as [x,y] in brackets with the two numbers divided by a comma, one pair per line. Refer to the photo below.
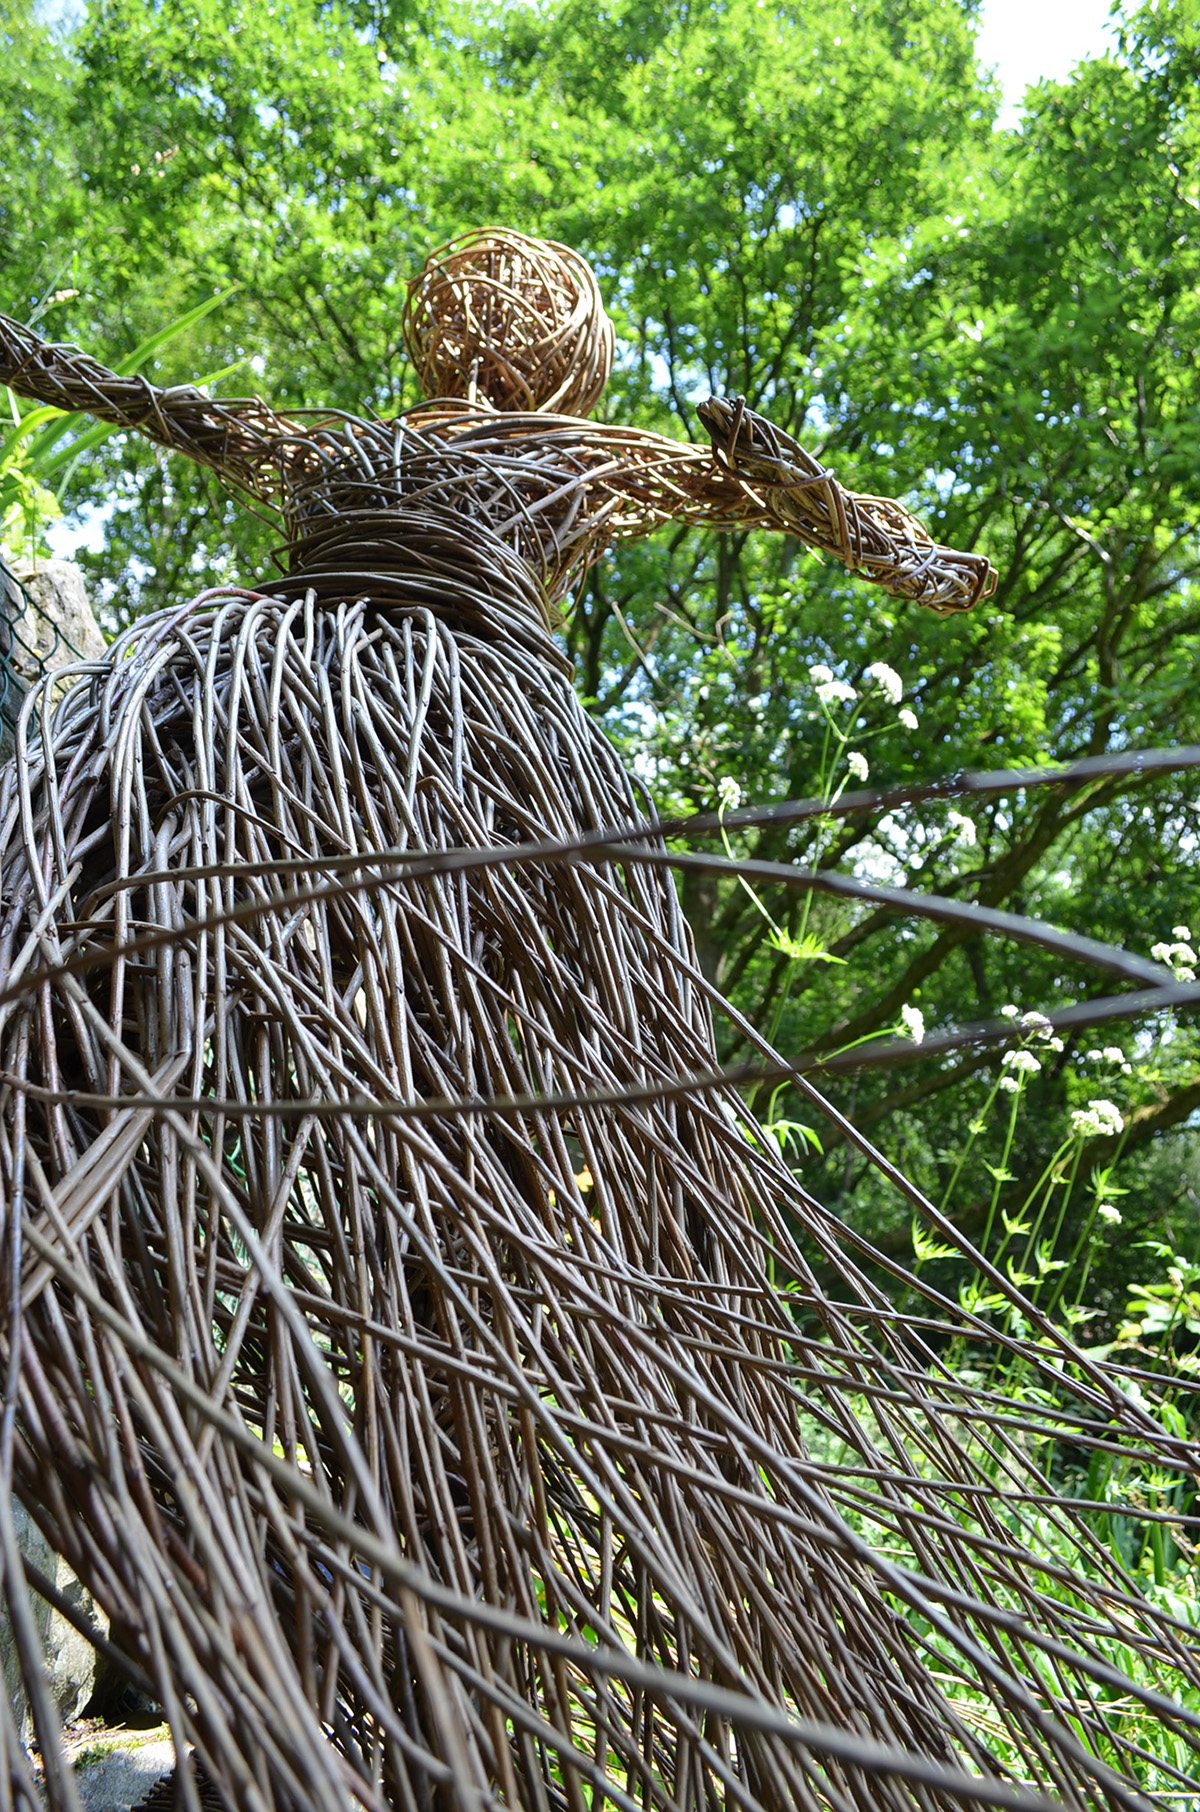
[544,1444]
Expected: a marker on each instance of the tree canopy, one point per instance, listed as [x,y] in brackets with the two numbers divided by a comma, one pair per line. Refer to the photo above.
[807,206]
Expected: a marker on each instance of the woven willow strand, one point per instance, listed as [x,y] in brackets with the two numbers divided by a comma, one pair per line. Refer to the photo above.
[559,1456]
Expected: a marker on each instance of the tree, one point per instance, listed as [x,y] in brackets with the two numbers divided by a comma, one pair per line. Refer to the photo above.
[40,199]
[806,206]
[1031,354]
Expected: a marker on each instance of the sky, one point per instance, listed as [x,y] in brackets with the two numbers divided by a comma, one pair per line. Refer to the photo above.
[1029,40]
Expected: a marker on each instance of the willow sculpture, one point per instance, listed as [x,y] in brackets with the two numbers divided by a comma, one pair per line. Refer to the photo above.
[412,1471]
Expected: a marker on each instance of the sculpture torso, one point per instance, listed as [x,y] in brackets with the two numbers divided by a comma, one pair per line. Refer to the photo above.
[441,485]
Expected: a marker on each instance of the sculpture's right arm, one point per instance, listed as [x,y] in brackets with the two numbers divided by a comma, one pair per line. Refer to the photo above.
[233,438]
[759,477]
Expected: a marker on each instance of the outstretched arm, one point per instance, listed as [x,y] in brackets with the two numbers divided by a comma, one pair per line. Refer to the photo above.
[759,477]
[234,438]
[873,536]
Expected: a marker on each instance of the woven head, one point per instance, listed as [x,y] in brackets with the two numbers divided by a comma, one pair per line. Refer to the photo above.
[498,318]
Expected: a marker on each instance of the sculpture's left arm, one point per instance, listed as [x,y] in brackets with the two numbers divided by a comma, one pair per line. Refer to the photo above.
[759,477]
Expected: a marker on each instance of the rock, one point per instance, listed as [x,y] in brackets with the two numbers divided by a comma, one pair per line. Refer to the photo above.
[46,623]
[34,1547]
[58,626]
[117,1775]
[69,1658]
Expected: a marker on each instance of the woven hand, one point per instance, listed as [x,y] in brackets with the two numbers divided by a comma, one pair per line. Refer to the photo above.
[872,536]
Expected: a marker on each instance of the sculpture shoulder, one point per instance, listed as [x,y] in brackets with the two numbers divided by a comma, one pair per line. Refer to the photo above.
[570,443]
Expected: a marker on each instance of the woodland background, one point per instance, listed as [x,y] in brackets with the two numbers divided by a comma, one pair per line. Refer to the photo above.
[805,204]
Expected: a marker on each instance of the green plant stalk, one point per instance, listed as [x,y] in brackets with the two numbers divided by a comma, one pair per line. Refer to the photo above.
[1048,1178]
[823,781]
[1084,1237]
[967,1148]
[1003,1164]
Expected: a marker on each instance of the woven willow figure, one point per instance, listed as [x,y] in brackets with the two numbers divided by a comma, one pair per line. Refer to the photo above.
[414,1468]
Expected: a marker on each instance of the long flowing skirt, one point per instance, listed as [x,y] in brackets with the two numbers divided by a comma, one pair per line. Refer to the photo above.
[448,1395]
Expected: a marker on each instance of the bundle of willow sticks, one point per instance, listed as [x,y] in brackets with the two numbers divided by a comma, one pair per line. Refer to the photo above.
[443,1386]
[439,1380]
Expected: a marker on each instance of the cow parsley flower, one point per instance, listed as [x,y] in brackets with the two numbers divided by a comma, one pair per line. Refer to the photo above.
[1179,957]
[1107,1212]
[856,761]
[963,828]
[820,675]
[1023,1061]
[830,691]
[729,793]
[909,719]
[1174,954]
[887,679]
[1101,1118]
[913,1021]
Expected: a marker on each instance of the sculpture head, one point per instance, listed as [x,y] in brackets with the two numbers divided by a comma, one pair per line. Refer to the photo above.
[517,323]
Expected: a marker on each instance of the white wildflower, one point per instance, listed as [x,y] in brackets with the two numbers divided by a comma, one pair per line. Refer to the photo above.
[1009,1084]
[1035,1022]
[1185,974]
[1009,1012]
[1182,932]
[913,1021]
[856,761]
[963,828]
[820,675]
[1107,1212]
[831,691]
[1053,1044]
[729,793]
[1174,954]
[887,679]
[1023,1061]
[909,719]
[1103,1118]
[1093,1057]
[1113,1054]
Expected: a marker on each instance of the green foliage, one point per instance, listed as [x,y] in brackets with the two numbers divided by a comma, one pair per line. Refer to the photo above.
[806,205]
[42,448]
[42,202]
